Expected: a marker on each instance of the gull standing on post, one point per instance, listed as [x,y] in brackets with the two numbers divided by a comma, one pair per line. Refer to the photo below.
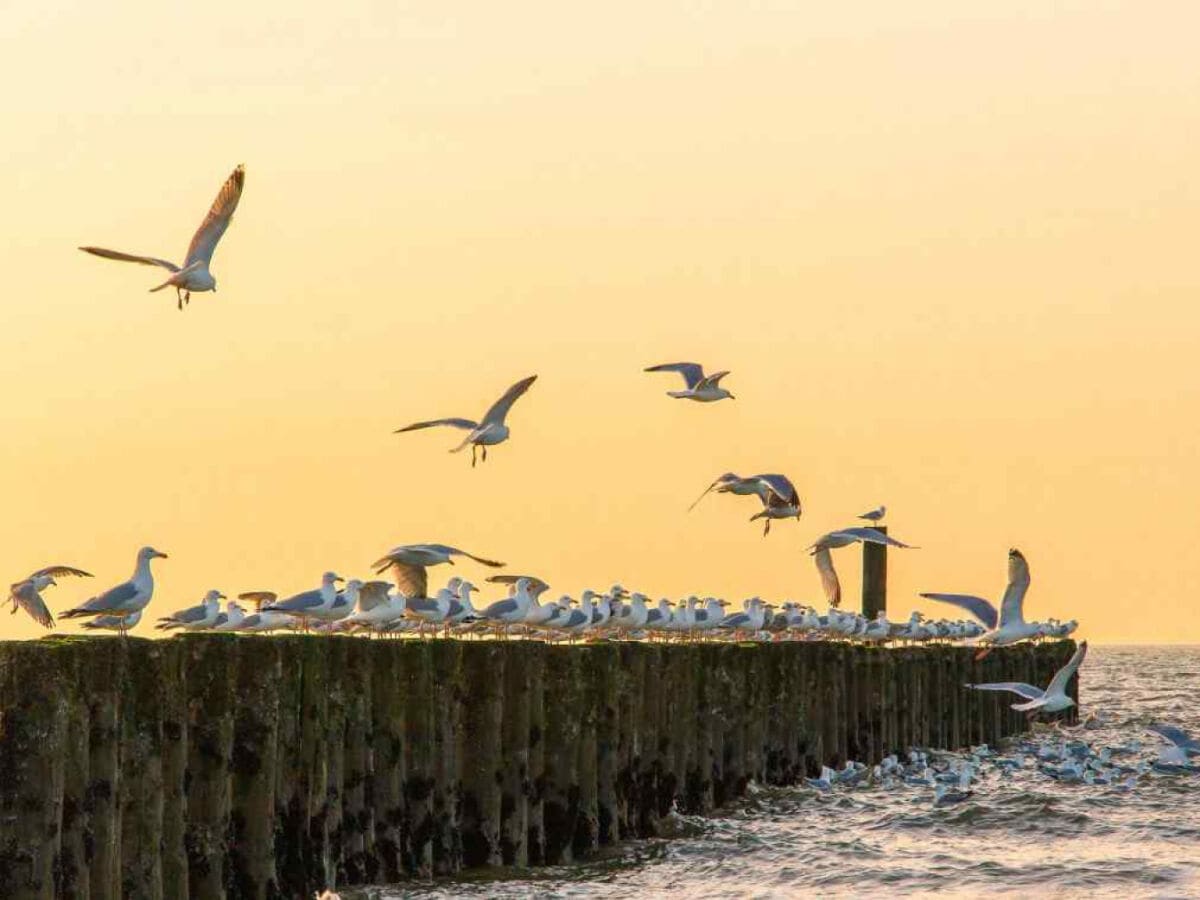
[875,515]
[194,274]
[194,618]
[120,624]
[491,430]
[700,387]
[314,604]
[27,594]
[1009,626]
[1053,699]
[126,598]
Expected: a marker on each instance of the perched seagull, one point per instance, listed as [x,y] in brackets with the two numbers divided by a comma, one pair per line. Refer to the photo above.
[194,275]
[847,536]
[511,610]
[1010,625]
[700,387]
[27,594]
[266,620]
[410,561]
[376,606]
[1053,699]
[491,430]
[779,499]
[315,604]
[194,618]
[128,597]
[536,614]
[232,619]
[829,578]
[875,515]
[121,624]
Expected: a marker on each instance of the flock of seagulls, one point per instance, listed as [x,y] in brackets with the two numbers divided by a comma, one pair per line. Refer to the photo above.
[401,601]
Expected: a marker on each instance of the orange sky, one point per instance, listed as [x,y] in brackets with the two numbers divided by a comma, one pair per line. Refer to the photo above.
[947,254]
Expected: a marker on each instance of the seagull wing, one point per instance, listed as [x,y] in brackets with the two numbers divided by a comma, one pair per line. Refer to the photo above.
[1058,684]
[372,594]
[298,602]
[60,572]
[714,379]
[781,487]
[412,581]
[693,373]
[465,424]
[495,415]
[1174,734]
[829,578]
[727,478]
[112,599]
[978,607]
[1028,691]
[204,241]
[259,596]
[454,551]
[130,257]
[25,595]
[536,585]
[875,536]
[1011,611]
[500,608]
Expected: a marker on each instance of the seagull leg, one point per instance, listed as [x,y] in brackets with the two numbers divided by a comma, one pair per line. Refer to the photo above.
[484,453]
[473,449]
[766,527]
[982,653]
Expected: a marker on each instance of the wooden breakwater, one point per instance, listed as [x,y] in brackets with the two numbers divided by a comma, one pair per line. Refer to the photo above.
[212,766]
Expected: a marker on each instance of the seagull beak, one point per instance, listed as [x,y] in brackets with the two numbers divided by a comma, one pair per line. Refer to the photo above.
[160,555]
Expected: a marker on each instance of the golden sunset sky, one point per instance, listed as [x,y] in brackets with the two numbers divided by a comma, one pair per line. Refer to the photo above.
[947,249]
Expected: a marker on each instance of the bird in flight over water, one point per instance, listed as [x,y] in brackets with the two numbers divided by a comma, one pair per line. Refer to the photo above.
[193,275]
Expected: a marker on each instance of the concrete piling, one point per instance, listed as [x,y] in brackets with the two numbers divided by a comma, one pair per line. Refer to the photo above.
[231,766]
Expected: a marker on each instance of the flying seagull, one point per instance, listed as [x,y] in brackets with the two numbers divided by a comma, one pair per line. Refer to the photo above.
[128,597]
[1009,625]
[491,430]
[700,387]
[27,593]
[194,274]
[1053,699]
[410,561]
[846,536]
[779,499]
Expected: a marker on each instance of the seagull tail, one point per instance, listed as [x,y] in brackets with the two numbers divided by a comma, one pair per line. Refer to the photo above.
[465,444]
[177,278]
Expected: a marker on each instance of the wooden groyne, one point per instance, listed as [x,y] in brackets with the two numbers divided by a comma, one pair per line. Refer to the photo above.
[213,766]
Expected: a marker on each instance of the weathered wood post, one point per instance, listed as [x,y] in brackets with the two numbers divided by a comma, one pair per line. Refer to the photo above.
[874,579]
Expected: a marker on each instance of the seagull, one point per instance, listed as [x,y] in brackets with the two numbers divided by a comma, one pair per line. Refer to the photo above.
[1012,624]
[829,578]
[408,563]
[1177,737]
[491,430]
[121,624]
[511,610]
[1053,699]
[27,593]
[847,536]
[700,387]
[375,605]
[875,515]
[231,619]
[194,618]
[128,597]
[314,604]
[194,275]
[779,499]
[536,614]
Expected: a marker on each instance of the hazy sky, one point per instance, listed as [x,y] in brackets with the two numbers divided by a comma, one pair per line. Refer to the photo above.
[947,249]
